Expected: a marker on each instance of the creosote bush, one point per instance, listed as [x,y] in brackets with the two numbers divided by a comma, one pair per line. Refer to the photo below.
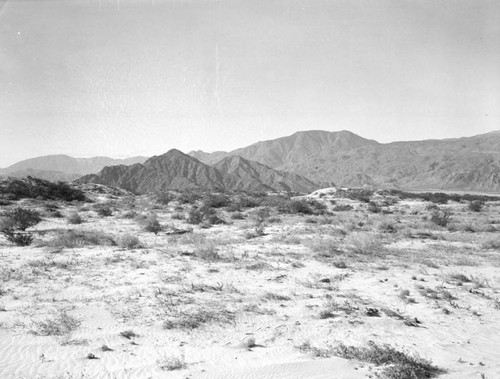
[129,241]
[203,215]
[441,216]
[216,200]
[103,210]
[15,222]
[476,205]
[152,225]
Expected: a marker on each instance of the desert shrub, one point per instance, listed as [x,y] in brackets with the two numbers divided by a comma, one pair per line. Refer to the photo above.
[296,206]
[439,198]
[38,188]
[14,223]
[397,363]
[476,205]
[237,216]
[74,218]
[103,210]
[245,201]
[204,215]
[18,238]
[54,214]
[216,200]
[80,238]
[360,194]
[58,325]
[386,227]
[441,217]
[364,243]
[213,219]
[260,217]
[177,216]
[197,316]
[374,207]
[164,198]
[21,218]
[151,224]
[302,206]
[493,243]
[171,363]
[195,216]
[129,241]
[189,197]
[208,252]
[130,214]
[342,208]
[274,220]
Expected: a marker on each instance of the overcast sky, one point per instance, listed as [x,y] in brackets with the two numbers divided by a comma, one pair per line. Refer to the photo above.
[139,77]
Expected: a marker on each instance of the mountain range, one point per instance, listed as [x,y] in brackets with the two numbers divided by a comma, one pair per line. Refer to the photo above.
[300,162]
[176,170]
[63,167]
[346,159]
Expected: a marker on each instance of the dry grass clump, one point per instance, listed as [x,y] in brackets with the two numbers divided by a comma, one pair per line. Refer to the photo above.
[58,325]
[151,224]
[129,241]
[129,214]
[364,244]
[196,316]
[79,238]
[325,248]
[171,362]
[208,252]
[276,297]
[103,209]
[396,364]
[74,218]
[492,244]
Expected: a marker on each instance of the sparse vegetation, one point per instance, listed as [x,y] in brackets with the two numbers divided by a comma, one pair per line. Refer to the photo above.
[346,272]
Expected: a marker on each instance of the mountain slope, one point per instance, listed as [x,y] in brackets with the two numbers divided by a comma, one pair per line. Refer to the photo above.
[289,150]
[253,176]
[68,165]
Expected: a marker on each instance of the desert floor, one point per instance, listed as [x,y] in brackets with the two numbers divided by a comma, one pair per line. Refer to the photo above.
[263,296]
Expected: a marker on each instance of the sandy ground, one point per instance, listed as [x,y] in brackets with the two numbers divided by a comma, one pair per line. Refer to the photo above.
[216,303]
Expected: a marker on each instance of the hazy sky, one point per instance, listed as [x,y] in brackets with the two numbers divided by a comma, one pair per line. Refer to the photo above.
[138,77]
